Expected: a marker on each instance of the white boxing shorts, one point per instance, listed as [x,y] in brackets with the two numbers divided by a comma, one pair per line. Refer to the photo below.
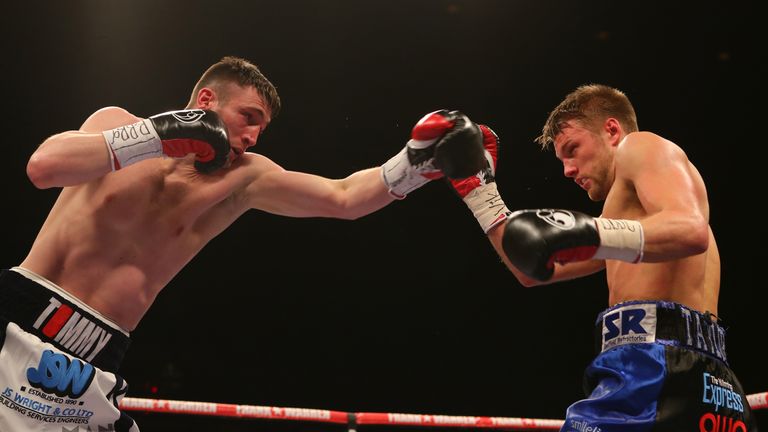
[58,359]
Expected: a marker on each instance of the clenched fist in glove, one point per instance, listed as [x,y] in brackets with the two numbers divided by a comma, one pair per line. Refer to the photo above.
[479,191]
[173,134]
[534,240]
[443,143]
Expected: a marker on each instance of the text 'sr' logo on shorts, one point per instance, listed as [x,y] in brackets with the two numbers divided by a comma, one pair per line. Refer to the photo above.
[629,324]
[562,219]
[188,116]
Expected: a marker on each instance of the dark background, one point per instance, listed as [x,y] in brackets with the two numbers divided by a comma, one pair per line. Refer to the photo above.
[407,309]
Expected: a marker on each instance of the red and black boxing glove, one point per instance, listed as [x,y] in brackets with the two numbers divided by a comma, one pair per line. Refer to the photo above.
[479,192]
[443,143]
[534,240]
[172,134]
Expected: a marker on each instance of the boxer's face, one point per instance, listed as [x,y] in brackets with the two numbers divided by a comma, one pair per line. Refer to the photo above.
[587,159]
[244,112]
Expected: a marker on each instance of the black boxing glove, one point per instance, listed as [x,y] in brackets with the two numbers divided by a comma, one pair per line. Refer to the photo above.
[442,143]
[479,192]
[534,240]
[460,153]
[173,134]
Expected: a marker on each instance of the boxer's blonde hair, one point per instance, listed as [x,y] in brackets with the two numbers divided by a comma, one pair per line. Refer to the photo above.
[590,105]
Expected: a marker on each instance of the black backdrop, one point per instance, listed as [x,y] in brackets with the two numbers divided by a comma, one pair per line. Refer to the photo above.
[407,309]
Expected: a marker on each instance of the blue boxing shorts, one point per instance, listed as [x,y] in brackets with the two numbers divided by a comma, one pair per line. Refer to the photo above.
[58,359]
[661,367]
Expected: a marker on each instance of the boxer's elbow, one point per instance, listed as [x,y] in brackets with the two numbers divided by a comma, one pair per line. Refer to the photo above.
[350,213]
[40,170]
[349,204]
[696,238]
[528,282]
[524,280]
[46,163]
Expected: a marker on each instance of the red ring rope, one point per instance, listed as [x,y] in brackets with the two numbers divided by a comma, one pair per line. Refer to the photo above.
[756,401]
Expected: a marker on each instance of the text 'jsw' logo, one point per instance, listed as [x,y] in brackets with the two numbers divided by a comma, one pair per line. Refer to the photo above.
[57,374]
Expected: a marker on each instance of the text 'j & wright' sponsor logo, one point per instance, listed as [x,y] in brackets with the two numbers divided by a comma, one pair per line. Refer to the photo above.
[629,324]
[719,392]
[43,412]
[78,334]
[57,374]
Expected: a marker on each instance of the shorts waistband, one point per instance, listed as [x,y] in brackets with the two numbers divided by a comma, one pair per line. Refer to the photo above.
[59,319]
[662,322]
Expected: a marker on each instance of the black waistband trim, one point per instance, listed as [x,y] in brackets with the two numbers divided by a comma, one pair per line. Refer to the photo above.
[56,320]
[660,321]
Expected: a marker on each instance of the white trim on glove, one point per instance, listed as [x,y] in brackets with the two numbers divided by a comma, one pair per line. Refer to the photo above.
[620,239]
[132,143]
[400,176]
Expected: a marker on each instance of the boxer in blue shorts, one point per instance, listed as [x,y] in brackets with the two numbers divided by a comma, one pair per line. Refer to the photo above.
[140,198]
[661,363]
[660,367]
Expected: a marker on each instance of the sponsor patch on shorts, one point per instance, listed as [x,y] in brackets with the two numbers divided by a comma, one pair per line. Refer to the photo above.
[629,324]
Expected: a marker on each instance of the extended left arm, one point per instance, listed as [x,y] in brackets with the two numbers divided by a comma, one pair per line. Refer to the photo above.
[291,193]
[442,143]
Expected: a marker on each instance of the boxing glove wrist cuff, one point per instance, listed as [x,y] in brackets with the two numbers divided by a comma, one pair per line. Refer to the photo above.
[487,206]
[620,239]
[133,143]
[400,176]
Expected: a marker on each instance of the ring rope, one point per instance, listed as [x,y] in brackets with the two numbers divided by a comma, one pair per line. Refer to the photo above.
[756,401]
